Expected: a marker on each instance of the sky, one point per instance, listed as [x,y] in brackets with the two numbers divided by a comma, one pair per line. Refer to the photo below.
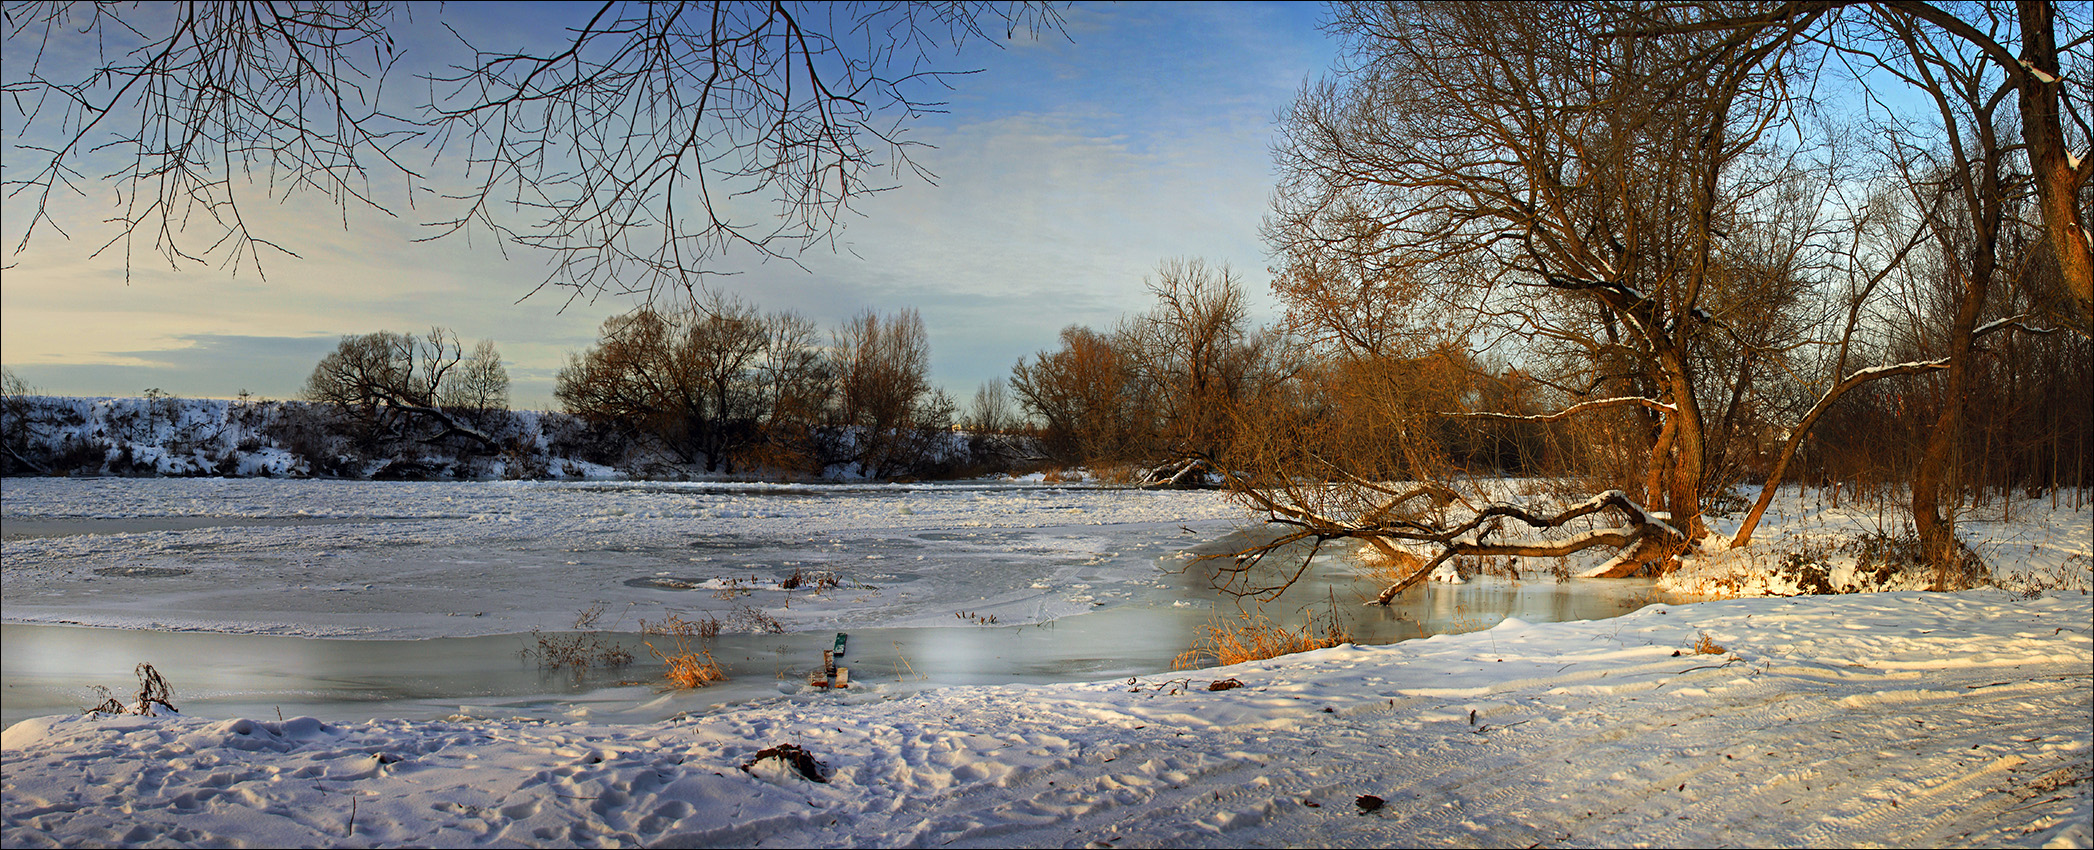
[1067,169]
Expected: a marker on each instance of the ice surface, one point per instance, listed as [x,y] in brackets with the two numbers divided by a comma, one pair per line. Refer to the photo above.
[460,559]
[214,582]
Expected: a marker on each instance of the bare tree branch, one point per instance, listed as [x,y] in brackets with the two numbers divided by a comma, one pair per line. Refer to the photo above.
[648,143]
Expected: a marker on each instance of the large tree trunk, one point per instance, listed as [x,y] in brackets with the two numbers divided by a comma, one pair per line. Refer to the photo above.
[1683,497]
[1936,531]
[2057,181]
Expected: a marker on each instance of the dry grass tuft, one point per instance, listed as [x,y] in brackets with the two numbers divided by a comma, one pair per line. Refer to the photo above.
[1255,638]
[686,669]
[1386,569]
[817,581]
[674,625]
[1705,645]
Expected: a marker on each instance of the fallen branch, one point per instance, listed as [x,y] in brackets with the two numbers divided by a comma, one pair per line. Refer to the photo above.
[1646,537]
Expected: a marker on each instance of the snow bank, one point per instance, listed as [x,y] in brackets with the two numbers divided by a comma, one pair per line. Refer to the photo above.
[1882,719]
[1807,545]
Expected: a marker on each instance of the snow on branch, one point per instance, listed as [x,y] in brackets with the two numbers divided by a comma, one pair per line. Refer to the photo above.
[2010,322]
[1796,434]
[1574,409]
[1862,376]
[2040,75]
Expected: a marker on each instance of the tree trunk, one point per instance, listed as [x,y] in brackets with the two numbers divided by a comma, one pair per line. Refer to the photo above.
[1937,533]
[1802,429]
[1689,456]
[2057,181]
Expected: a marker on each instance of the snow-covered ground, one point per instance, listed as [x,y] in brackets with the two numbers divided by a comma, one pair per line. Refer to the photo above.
[1907,719]
[1899,718]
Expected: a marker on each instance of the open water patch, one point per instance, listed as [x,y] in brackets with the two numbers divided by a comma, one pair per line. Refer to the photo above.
[724,543]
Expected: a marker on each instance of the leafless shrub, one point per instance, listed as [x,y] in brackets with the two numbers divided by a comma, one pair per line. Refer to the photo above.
[2074,572]
[153,690]
[586,618]
[677,626]
[748,618]
[578,650]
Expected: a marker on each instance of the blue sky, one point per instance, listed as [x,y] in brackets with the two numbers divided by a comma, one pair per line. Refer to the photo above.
[1067,170]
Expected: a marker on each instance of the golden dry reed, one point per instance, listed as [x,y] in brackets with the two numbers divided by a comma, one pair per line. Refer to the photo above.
[1255,638]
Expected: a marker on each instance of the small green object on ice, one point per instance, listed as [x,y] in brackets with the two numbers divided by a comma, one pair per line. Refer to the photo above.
[840,639]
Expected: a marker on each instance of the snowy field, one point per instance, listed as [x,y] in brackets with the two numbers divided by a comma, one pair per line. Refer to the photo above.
[1913,719]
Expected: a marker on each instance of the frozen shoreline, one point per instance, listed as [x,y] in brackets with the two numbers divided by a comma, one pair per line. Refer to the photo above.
[1908,719]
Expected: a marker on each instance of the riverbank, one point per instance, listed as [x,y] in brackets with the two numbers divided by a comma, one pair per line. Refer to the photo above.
[1912,719]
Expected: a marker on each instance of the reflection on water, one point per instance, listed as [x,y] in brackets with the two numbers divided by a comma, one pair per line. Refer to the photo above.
[52,669]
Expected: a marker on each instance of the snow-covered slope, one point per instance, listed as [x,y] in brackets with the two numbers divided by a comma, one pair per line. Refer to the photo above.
[168,436]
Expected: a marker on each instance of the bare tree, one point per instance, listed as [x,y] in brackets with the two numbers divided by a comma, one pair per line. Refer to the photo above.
[1195,361]
[1615,193]
[990,424]
[991,410]
[2018,43]
[1547,188]
[17,428]
[884,393]
[799,383]
[479,389]
[689,379]
[1081,395]
[394,383]
[615,150]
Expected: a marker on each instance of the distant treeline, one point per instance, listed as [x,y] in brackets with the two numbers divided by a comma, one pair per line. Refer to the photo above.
[162,435]
[1181,394]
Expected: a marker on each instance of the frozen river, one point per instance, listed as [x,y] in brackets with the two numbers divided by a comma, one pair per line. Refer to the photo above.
[386,599]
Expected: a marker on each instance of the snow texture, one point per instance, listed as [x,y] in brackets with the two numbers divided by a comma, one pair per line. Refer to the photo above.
[1907,719]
